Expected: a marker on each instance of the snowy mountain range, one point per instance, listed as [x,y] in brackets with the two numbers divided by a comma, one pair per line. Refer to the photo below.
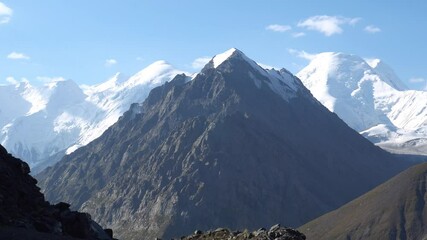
[371,99]
[39,122]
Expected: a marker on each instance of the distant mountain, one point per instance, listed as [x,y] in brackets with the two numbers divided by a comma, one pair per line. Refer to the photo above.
[40,124]
[393,210]
[24,214]
[371,99]
[236,146]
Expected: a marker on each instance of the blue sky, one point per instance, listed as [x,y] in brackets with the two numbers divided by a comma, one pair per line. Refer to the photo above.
[89,41]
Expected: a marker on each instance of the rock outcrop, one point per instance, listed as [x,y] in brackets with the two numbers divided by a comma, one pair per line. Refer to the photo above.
[24,213]
[276,232]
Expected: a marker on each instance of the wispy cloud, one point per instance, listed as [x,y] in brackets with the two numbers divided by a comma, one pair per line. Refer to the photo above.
[12,80]
[5,13]
[278,28]
[328,25]
[16,56]
[372,29]
[417,80]
[200,62]
[45,79]
[139,59]
[110,62]
[302,54]
[298,34]
[420,81]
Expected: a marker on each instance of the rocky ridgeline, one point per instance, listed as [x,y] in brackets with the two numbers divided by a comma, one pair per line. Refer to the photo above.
[276,232]
[24,213]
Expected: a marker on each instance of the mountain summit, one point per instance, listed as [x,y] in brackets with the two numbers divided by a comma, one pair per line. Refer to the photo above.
[237,146]
[371,99]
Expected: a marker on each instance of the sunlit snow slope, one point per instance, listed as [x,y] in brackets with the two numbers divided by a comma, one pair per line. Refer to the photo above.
[39,122]
[371,99]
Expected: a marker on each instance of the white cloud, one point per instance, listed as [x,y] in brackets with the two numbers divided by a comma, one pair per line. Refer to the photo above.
[372,29]
[110,62]
[417,80]
[50,79]
[12,80]
[298,34]
[200,62]
[139,59]
[16,55]
[328,25]
[5,13]
[278,28]
[302,54]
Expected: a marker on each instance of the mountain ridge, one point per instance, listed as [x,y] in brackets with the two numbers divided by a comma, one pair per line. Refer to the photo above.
[225,149]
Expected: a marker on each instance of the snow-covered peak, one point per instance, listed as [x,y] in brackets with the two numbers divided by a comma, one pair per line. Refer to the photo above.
[281,82]
[150,74]
[368,96]
[388,75]
[220,58]
[346,70]
[347,85]
[234,53]
[64,93]
[334,75]
[111,83]
[373,62]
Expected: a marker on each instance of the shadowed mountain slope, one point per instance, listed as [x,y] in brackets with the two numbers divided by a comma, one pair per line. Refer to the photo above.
[393,210]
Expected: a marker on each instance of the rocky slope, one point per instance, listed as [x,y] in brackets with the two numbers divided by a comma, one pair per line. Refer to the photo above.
[393,210]
[237,146]
[371,99]
[40,123]
[275,232]
[24,214]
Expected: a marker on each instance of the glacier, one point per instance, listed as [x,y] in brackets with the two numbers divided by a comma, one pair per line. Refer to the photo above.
[370,98]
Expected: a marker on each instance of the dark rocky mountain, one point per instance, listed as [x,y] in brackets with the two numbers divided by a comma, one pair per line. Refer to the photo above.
[394,210]
[24,213]
[237,146]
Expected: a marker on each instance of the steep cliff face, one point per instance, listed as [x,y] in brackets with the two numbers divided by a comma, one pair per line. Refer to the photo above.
[24,213]
[393,210]
[237,146]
